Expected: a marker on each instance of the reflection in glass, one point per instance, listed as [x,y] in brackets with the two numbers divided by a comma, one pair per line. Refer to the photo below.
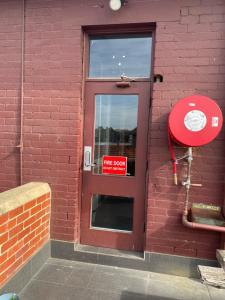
[112,212]
[113,56]
[115,129]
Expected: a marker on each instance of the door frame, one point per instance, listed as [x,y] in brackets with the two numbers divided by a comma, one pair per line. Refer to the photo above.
[87,31]
[114,185]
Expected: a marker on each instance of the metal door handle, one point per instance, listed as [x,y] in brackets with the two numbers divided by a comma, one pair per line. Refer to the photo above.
[87,158]
[123,84]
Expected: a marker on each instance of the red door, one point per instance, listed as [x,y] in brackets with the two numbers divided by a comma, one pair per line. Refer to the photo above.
[115,151]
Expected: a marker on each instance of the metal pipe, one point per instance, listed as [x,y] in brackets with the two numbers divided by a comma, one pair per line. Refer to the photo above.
[22,91]
[194,225]
[188,184]
[189,158]
[186,202]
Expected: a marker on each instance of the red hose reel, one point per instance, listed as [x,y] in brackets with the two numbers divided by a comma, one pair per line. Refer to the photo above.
[194,121]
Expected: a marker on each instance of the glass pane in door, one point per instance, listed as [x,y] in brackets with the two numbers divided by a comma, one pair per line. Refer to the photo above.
[115,131]
[112,212]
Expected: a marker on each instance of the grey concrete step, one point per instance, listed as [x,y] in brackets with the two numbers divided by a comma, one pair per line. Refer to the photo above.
[220,255]
[108,251]
[146,261]
[102,256]
[111,257]
[212,276]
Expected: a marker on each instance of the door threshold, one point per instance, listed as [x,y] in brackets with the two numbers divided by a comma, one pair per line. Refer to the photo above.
[110,257]
[109,251]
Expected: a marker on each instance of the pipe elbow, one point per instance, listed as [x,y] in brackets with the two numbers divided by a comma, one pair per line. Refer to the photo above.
[194,225]
[186,222]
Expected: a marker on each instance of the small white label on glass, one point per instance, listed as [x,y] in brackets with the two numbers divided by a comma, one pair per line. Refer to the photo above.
[195,120]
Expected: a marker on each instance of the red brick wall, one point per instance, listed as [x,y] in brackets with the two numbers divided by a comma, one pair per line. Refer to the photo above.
[10,65]
[189,53]
[23,231]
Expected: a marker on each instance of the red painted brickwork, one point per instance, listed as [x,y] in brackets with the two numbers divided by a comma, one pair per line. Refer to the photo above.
[23,231]
[189,53]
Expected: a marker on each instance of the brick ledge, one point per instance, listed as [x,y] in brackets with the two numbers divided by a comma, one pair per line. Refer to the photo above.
[19,196]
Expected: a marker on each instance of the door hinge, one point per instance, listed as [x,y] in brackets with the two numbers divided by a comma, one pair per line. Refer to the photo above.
[144,227]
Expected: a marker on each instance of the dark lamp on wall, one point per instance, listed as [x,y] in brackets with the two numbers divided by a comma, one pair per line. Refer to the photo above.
[116,4]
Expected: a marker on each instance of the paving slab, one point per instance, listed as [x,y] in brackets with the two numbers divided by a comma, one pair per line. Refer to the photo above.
[69,280]
[216,293]
[175,287]
[54,274]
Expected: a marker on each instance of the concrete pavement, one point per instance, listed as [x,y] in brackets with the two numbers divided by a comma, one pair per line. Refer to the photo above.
[69,280]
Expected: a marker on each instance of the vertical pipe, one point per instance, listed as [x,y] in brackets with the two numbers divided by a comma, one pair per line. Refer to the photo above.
[22,91]
[188,184]
[188,180]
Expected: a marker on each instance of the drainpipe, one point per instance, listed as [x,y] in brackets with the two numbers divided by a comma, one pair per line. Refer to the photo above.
[20,146]
[188,185]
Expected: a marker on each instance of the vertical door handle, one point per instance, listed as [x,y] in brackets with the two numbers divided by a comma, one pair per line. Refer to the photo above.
[87,158]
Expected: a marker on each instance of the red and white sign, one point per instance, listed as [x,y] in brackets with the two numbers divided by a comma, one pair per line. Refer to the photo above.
[114,165]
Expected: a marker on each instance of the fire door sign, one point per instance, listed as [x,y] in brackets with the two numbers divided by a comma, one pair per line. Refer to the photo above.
[114,165]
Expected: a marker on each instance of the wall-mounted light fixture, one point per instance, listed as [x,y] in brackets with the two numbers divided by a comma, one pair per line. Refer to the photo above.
[116,4]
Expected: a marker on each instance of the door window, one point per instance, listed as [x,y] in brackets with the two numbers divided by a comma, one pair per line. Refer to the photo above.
[113,56]
[112,212]
[115,131]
